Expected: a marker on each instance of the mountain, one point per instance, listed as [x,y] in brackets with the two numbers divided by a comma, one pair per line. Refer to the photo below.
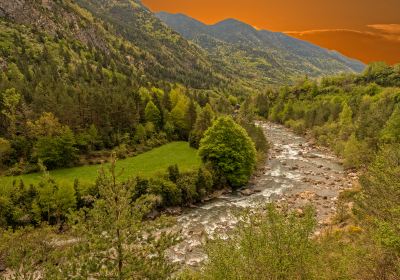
[260,55]
[92,62]
[123,30]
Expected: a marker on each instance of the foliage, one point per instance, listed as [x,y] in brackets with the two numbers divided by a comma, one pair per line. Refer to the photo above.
[111,242]
[353,114]
[229,150]
[378,204]
[59,151]
[152,114]
[265,246]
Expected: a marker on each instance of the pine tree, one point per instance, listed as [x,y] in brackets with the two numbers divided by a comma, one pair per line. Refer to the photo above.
[114,241]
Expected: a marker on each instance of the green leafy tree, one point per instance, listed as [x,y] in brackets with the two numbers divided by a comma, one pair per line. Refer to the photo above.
[346,122]
[230,152]
[179,119]
[356,153]
[191,114]
[378,207]
[54,201]
[5,149]
[58,151]
[391,131]
[203,122]
[153,114]
[10,101]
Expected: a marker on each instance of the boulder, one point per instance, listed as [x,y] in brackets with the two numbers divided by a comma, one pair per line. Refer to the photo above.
[174,211]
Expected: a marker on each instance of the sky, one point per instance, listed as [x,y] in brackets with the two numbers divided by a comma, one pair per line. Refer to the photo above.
[368,30]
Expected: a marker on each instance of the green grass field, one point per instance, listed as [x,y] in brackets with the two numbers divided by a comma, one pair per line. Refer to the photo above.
[146,165]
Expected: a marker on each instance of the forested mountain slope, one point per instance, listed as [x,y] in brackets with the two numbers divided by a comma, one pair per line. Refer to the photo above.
[123,31]
[260,55]
[75,79]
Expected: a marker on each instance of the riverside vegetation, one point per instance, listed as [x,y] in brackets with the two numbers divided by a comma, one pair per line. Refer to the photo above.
[85,82]
[357,116]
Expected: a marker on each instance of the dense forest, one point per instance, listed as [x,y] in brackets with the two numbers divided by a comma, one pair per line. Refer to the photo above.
[92,82]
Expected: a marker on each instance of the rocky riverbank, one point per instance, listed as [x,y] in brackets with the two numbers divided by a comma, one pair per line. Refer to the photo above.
[297,173]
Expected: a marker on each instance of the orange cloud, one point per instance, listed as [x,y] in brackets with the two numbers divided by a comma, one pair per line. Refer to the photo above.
[367,46]
[388,28]
[389,31]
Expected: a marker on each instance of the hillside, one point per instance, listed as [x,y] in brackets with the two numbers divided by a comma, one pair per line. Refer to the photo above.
[267,57]
[121,30]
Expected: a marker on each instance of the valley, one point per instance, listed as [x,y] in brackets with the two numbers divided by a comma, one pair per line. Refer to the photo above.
[142,145]
[297,173]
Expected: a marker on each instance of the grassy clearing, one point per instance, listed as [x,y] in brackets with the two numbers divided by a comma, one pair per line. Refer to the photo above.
[146,165]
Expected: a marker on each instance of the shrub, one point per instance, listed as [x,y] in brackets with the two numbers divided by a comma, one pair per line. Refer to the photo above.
[298,126]
[265,246]
[187,184]
[171,195]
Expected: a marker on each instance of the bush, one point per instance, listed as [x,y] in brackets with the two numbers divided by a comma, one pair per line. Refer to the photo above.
[266,246]
[356,153]
[187,184]
[169,192]
[298,126]
[230,152]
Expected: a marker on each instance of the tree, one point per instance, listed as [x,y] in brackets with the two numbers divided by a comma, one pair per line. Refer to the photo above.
[58,151]
[230,152]
[46,125]
[346,122]
[153,114]
[179,118]
[53,201]
[378,207]
[203,122]
[191,114]
[11,99]
[356,153]
[115,242]
[391,131]
[5,149]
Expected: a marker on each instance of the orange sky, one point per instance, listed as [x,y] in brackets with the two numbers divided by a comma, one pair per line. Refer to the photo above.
[368,30]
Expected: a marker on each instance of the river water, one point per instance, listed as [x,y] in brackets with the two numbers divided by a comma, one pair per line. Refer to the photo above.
[296,171]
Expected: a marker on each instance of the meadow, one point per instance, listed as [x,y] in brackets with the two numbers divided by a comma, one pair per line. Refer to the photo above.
[146,165]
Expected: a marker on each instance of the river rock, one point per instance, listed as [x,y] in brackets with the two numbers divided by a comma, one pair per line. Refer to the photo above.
[293,168]
[300,212]
[247,192]
[153,214]
[2,265]
[174,211]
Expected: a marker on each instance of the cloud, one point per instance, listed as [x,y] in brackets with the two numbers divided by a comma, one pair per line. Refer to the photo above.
[317,31]
[387,28]
[389,31]
[384,31]
[381,43]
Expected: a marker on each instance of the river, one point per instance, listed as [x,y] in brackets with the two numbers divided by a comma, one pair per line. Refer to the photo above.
[297,172]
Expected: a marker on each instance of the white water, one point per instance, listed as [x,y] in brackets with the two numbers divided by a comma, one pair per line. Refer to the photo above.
[291,160]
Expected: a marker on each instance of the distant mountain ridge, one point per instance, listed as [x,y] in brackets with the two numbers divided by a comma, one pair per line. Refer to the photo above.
[261,55]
